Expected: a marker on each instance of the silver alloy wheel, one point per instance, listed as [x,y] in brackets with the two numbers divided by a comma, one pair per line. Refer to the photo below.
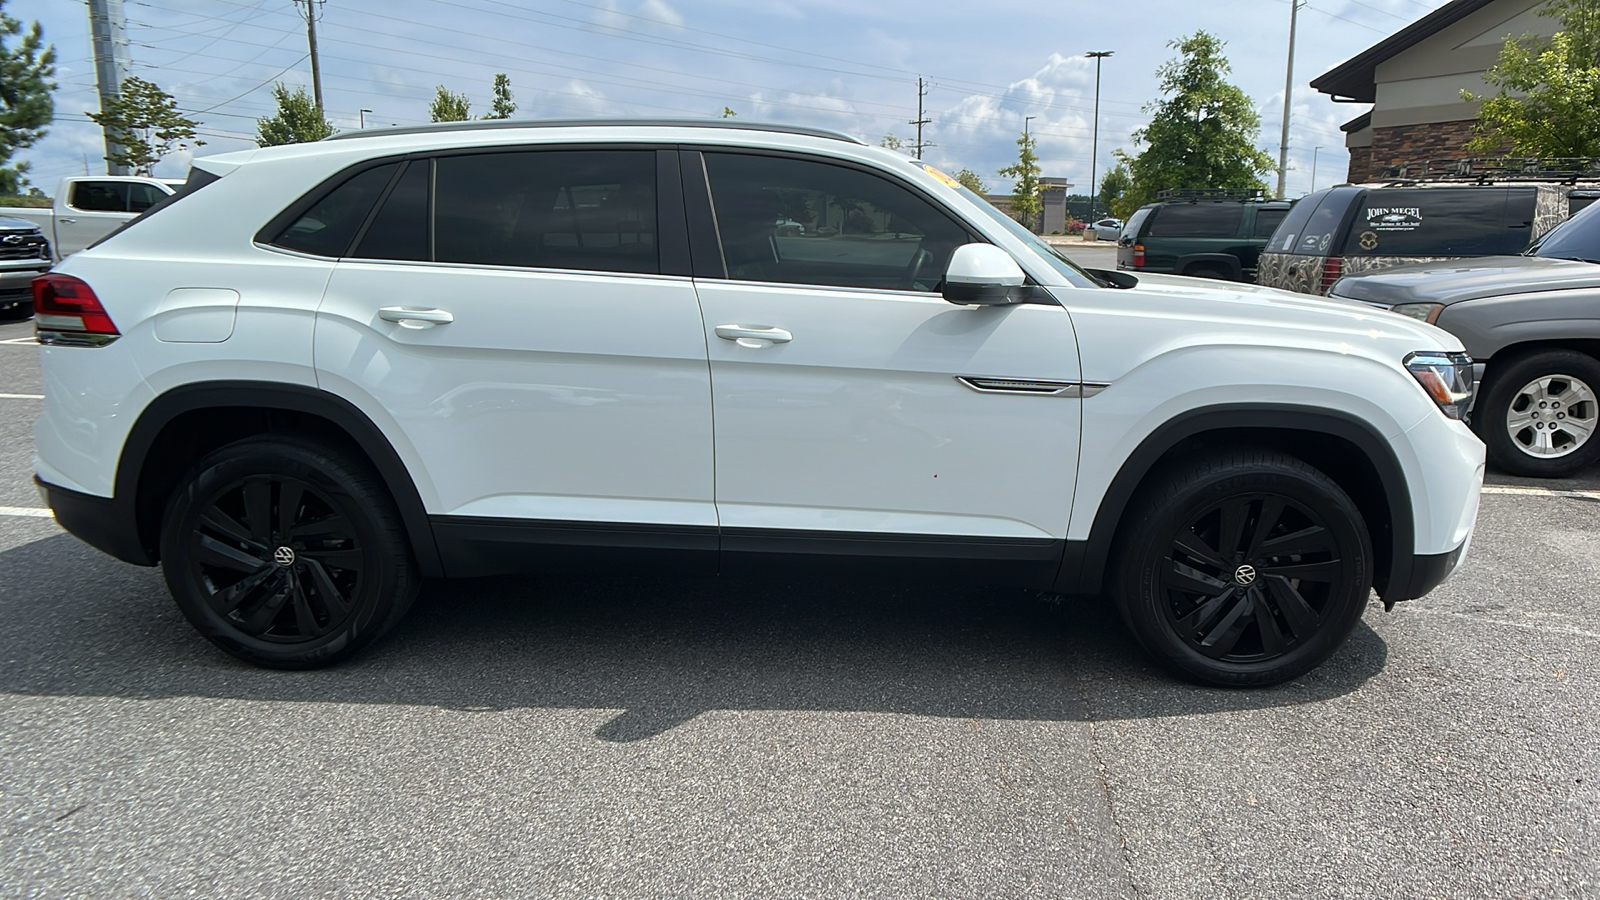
[1552,416]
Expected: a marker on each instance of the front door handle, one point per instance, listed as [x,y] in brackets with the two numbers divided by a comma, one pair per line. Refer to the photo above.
[66,221]
[753,336]
[408,317]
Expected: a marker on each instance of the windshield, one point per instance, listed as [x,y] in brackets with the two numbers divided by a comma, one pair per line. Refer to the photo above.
[1577,238]
[1071,271]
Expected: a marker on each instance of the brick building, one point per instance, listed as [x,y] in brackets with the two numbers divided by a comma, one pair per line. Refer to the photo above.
[1414,80]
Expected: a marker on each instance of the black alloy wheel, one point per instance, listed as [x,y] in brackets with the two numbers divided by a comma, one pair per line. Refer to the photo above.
[286,553]
[1247,568]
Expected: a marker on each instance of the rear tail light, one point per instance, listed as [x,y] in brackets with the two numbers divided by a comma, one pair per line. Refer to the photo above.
[1138,255]
[66,311]
[1332,270]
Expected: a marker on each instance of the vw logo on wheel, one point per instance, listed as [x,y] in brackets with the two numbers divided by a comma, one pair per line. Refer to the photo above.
[284,556]
[1245,575]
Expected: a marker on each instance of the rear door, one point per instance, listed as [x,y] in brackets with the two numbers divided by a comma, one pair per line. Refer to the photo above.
[518,332]
[855,408]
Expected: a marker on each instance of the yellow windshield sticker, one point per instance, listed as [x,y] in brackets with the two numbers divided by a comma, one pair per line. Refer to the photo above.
[941,176]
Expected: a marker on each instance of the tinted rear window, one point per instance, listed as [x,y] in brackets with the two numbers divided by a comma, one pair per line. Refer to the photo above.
[400,229]
[1267,222]
[1482,221]
[1312,220]
[328,227]
[559,209]
[1197,220]
[1131,230]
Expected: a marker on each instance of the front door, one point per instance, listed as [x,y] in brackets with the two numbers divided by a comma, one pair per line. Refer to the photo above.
[851,401]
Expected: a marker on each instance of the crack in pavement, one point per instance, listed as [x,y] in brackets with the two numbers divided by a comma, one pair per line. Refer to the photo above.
[1105,789]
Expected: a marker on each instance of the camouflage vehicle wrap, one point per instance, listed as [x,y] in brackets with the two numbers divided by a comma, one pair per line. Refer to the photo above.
[1369,221]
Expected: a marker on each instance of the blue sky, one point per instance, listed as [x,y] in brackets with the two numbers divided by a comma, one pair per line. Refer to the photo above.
[843,64]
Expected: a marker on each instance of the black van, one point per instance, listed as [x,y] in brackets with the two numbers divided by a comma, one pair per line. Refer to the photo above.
[1207,234]
[1352,229]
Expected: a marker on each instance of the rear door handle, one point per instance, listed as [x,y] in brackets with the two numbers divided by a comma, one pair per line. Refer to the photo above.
[407,317]
[753,336]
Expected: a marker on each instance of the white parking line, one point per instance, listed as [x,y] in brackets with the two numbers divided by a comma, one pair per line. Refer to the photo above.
[21,396]
[30,339]
[27,512]
[1539,492]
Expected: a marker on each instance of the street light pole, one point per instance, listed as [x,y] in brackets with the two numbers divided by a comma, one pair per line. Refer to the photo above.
[1025,121]
[364,117]
[1094,151]
[1314,152]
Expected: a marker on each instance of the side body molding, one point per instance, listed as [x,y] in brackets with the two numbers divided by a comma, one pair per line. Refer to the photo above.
[1085,563]
[269,397]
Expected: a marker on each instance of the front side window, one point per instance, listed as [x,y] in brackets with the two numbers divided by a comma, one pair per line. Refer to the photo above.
[801,222]
[558,209]
[328,227]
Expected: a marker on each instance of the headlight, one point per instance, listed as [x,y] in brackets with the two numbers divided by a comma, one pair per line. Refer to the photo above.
[1422,312]
[1446,377]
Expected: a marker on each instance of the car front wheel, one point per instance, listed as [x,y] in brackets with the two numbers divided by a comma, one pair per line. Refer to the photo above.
[1244,568]
[1538,416]
[287,552]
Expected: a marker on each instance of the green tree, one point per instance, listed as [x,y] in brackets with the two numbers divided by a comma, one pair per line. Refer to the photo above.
[891,142]
[970,180]
[728,113]
[449,106]
[1114,187]
[1202,134]
[1025,202]
[26,105]
[144,120]
[297,120]
[503,106]
[1549,100]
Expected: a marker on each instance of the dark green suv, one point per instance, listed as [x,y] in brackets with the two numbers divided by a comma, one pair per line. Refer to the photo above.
[1208,234]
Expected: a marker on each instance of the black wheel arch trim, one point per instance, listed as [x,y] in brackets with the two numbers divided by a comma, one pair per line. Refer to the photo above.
[266,396]
[1084,564]
[1232,264]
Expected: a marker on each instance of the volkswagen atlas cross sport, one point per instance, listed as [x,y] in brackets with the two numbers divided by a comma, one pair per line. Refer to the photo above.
[323,372]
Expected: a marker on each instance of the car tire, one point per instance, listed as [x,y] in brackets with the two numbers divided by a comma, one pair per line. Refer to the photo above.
[1207,272]
[18,312]
[287,552]
[1243,568]
[1512,424]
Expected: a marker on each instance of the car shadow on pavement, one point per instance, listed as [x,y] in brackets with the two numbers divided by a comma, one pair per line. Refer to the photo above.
[660,651]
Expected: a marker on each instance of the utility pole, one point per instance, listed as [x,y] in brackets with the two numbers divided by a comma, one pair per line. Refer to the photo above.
[1094,152]
[1314,152]
[1288,99]
[312,12]
[108,27]
[921,120]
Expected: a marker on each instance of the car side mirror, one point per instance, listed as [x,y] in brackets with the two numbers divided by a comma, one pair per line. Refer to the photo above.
[984,275]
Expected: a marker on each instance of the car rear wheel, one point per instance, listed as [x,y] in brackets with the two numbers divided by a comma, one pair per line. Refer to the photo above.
[1244,568]
[287,552]
[1538,416]
[1207,272]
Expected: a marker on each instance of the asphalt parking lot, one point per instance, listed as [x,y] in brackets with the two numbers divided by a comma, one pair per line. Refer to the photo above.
[793,736]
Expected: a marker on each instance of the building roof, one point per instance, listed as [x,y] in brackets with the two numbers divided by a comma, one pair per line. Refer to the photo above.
[1355,79]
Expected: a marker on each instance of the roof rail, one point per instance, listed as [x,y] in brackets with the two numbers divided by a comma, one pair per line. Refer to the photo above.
[483,124]
[1489,169]
[1215,194]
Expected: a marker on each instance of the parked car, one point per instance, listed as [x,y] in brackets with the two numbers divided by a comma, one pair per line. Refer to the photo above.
[1529,322]
[87,208]
[1107,229]
[1354,229]
[24,255]
[328,370]
[1206,234]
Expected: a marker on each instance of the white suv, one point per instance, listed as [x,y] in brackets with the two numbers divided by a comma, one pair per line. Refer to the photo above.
[323,372]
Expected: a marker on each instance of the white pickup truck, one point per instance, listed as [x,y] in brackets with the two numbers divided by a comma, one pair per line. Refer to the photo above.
[89,207]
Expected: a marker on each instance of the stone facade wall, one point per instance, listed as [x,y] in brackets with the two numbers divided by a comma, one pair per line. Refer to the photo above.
[1398,144]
